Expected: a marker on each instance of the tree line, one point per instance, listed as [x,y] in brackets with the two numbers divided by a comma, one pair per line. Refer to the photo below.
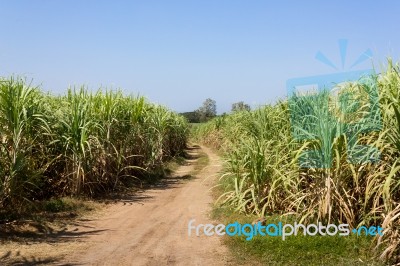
[208,110]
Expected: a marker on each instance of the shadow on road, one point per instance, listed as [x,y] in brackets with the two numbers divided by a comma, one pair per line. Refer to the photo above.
[16,259]
[36,233]
[44,231]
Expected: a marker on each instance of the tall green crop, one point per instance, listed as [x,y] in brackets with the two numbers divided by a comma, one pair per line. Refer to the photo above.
[81,142]
[311,156]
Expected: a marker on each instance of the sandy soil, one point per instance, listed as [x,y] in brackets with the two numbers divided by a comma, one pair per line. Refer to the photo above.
[149,229]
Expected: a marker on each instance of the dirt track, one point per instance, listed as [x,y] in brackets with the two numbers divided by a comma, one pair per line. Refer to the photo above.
[154,229]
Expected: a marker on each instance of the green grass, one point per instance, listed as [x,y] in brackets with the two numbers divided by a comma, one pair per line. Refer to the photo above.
[201,162]
[48,210]
[295,250]
[174,164]
[301,250]
[66,204]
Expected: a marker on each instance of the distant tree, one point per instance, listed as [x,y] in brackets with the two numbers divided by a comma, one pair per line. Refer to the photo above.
[208,110]
[192,117]
[240,106]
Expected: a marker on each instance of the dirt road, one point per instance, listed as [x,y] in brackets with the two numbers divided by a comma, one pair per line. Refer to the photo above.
[154,229]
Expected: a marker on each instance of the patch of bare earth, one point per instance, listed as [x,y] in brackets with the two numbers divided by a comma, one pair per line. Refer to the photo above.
[149,229]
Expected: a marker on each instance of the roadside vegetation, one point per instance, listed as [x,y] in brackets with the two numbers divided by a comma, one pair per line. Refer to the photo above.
[81,143]
[265,174]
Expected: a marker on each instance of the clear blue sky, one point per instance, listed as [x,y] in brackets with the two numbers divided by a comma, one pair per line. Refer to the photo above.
[178,53]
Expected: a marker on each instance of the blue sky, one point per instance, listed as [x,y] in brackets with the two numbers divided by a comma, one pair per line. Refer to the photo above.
[178,53]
